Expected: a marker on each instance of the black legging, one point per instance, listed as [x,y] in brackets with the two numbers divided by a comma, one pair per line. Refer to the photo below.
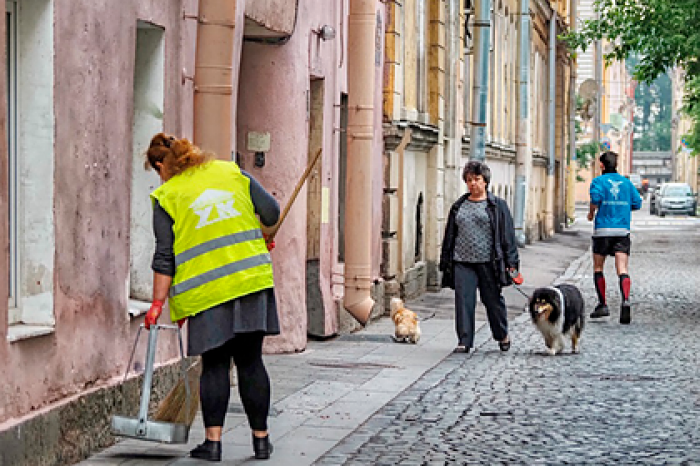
[253,382]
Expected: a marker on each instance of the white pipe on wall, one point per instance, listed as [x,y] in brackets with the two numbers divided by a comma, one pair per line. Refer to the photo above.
[552,126]
[482,40]
[523,156]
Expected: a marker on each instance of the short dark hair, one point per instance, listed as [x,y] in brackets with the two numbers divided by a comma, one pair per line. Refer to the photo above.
[609,161]
[474,167]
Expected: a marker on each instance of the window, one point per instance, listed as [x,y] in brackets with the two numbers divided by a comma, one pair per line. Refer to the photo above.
[30,142]
[149,82]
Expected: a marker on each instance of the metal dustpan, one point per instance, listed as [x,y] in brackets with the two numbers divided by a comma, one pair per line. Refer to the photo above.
[142,428]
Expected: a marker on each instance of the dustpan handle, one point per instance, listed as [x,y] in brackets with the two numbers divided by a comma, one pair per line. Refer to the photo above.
[147,379]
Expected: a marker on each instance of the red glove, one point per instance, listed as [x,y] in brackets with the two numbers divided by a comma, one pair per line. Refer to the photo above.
[153,313]
[270,244]
[181,322]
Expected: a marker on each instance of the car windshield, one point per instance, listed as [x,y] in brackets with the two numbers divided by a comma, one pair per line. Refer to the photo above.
[677,191]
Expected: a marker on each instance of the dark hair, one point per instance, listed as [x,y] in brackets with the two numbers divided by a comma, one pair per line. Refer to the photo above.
[177,155]
[609,161]
[474,167]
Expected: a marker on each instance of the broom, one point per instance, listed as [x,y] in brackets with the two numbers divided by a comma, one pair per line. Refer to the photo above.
[174,407]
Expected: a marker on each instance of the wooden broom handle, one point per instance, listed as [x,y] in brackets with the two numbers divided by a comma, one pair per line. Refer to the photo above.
[300,183]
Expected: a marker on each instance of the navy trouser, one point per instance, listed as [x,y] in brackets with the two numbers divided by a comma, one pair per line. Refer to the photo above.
[468,278]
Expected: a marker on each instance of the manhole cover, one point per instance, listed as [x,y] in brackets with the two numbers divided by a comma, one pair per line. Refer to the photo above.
[621,377]
[381,338]
[352,365]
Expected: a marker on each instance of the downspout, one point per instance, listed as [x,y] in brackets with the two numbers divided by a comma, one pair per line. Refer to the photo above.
[362,23]
[523,156]
[482,39]
[571,181]
[598,74]
[213,76]
[551,183]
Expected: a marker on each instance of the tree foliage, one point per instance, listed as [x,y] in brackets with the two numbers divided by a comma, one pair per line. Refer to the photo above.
[662,33]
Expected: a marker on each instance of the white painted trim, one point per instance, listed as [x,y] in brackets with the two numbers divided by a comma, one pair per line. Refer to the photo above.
[20,332]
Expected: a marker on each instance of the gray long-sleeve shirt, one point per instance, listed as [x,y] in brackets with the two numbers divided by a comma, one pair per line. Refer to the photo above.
[266,207]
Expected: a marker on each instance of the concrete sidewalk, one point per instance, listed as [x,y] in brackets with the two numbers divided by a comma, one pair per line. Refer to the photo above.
[325,393]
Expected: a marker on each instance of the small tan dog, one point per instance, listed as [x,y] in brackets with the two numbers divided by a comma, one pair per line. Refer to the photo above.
[406,321]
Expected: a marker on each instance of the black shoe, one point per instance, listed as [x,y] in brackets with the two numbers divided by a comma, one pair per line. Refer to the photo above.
[601,310]
[504,346]
[262,447]
[209,450]
[625,315]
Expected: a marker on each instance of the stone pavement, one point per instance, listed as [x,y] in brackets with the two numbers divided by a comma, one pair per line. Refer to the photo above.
[630,397]
[322,395]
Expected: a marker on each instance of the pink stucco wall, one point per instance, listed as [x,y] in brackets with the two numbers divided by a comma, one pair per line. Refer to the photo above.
[93,74]
[274,83]
[94,68]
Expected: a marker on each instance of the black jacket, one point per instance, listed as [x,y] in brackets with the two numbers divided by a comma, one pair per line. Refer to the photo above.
[505,251]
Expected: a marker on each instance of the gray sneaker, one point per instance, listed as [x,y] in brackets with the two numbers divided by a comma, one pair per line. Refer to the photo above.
[601,310]
[625,314]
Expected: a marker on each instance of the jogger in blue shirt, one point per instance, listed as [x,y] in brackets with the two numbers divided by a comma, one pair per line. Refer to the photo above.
[613,198]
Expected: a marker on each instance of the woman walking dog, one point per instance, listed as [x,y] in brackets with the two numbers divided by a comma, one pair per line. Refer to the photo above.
[212,261]
[479,252]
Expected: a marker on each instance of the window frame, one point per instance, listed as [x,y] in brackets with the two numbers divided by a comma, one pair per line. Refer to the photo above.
[11,36]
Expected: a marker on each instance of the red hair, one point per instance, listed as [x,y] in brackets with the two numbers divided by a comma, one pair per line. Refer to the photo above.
[176,155]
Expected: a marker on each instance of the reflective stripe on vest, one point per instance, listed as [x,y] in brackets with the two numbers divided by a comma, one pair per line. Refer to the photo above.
[217,243]
[220,272]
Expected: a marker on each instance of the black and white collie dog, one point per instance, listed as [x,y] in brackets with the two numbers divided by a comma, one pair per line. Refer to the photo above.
[558,311]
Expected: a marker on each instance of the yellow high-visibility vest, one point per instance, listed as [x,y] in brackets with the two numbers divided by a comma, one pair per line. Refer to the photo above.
[220,253]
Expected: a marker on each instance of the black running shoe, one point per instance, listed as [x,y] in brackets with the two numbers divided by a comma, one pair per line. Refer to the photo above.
[625,314]
[601,310]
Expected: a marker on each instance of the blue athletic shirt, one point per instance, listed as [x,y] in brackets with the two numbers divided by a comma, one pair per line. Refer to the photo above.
[616,198]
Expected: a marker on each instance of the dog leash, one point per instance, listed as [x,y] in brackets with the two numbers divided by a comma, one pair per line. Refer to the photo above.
[521,291]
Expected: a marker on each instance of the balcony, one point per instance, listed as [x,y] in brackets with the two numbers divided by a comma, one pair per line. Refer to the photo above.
[270,19]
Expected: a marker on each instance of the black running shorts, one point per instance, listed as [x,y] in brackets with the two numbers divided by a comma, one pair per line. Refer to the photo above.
[609,245]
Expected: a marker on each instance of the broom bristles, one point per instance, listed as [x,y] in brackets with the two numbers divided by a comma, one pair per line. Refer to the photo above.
[174,406]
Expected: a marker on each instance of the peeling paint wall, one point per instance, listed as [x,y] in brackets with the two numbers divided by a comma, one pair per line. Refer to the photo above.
[94,56]
[274,98]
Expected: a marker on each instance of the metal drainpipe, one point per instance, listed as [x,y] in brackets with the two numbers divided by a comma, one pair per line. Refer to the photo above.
[482,39]
[213,76]
[551,113]
[362,23]
[571,182]
[523,156]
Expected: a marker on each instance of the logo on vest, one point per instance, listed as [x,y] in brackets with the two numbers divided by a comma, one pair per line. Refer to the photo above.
[212,206]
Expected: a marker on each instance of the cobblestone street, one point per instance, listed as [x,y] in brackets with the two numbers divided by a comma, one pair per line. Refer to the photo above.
[630,397]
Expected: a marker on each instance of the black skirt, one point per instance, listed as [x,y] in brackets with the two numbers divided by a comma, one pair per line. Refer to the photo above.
[256,312]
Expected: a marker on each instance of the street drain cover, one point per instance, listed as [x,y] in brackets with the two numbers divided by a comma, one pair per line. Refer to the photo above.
[377,338]
[621,377]
[352,365]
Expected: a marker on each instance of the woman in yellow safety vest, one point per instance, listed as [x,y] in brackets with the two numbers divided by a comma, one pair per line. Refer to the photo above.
[212,263]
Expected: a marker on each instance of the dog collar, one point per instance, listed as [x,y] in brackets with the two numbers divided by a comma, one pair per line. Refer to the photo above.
[561,297]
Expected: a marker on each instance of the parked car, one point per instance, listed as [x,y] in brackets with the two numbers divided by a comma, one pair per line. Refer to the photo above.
[672,198]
